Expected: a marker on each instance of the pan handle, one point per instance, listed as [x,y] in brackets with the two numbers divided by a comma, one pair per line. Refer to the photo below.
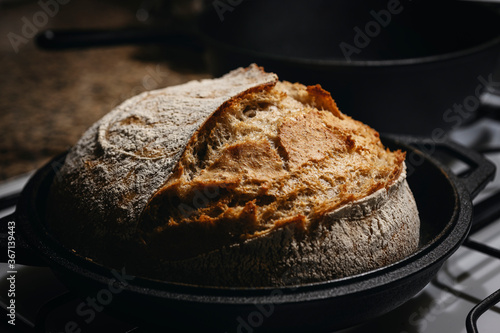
[12,246]
[475,178]
[481,170]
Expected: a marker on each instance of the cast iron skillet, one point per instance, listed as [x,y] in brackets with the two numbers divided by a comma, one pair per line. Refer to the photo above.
[422,64]
[444,202]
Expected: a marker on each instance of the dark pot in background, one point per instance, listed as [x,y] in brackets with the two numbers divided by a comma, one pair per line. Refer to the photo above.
[401,66]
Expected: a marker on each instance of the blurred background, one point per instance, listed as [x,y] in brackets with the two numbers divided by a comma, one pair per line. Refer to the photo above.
[49,98]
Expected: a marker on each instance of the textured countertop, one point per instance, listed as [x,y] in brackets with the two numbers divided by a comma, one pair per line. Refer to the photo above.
[49,98]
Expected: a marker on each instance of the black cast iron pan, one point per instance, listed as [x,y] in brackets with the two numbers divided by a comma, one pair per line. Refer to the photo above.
[444,202]
[422,64]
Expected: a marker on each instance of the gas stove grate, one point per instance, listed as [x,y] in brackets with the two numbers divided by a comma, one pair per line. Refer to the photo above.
[484,214]
[479,309]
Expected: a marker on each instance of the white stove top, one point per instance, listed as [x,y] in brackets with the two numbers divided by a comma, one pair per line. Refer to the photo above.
[442,306]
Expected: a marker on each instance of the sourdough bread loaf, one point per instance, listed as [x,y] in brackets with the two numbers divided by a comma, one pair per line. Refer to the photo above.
[237,181]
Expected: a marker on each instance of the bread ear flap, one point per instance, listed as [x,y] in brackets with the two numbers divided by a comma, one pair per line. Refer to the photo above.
[322,99]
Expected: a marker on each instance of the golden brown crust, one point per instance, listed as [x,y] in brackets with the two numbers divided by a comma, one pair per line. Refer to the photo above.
[121,160]
[322,99]
[237,181]
[311,137]
[270,157]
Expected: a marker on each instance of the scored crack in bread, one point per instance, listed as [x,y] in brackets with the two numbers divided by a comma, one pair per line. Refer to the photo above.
[121,160]
[238,181]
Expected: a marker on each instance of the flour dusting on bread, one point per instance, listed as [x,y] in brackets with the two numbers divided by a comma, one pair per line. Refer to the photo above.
[235,181]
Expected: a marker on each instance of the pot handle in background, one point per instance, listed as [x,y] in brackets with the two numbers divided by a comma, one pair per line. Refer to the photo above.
[69,39]
[12,245]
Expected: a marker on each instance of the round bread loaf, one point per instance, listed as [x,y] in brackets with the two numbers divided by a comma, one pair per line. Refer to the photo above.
[238,181]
